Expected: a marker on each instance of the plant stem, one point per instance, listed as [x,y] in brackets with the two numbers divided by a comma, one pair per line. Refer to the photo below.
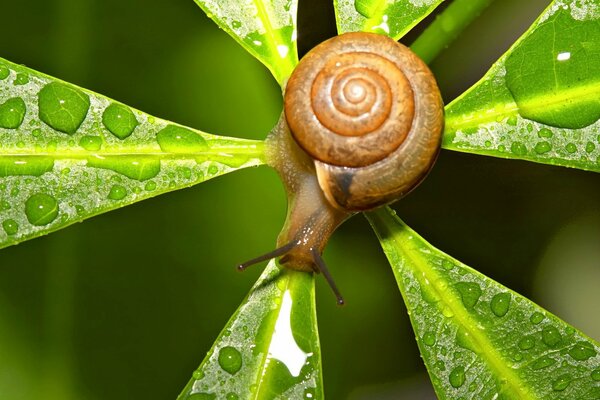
[446,27]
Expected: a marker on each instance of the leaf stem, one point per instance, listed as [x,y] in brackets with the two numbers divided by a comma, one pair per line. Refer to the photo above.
[446,27]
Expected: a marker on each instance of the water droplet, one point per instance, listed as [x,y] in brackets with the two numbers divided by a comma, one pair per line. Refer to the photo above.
[176,139]
[366,8]
[543,362]
[551,336]
[589,147]
[527,343]
[12,112]
[500,304]
[198,374]
[596,374]
[91,143]
[563,74]
[429,338]
[41,209]
[518,148]
[230,359]
[10,226]
[119,120]
[25,165]
[63,107]
[310,393]
[213,170]
[236,24]
[512,120]
[571,148]
[232,396]
[201,396]
[465,340]
[21,79]
[545,133]
[447,264]
[562,382]
[581,351]
[536,318]
[469,293]
[542,147]
[502,148]
[457,377]
[4,72]
[150,186]
[117,192]
[134,167]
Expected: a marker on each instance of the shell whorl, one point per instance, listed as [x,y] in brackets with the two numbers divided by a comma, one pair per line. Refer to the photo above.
[369,112]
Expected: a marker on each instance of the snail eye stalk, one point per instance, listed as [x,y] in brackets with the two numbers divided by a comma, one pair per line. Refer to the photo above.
[319,265]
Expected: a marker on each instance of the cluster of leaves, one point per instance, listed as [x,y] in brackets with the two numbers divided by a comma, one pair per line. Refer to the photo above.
[67,154]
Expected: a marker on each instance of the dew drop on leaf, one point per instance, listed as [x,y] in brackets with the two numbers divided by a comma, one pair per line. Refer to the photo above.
[543,362]
[571,148]
[117,192]
[469,293]
[545,133]
[590,147]
[232,396]
[198,374]
[10,226]
[542,147]
[134,167]
[581,351]
[91,143]
[119,120]
[500,304]
[4,72]
[562,382]
[62,107]
[41,209]
[175,139]
[518,148]
[526,343]
[12,112]
[150,186]
[366,8]
[551,336]
[457,377]
[429,338]
[21,79]
[596,374]
[536,318]
[230,359]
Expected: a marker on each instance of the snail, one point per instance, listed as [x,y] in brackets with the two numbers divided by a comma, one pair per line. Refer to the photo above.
[361,127]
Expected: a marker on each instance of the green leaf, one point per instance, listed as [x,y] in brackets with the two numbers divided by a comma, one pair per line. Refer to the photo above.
[389,17]
[541,100]
[265,28]
[67,154]
[480,340]
[270,347]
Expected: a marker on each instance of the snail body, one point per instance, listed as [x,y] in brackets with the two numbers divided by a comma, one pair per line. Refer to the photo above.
[361,127]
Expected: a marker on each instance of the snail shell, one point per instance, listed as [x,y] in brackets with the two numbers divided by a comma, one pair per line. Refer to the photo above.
[370,114]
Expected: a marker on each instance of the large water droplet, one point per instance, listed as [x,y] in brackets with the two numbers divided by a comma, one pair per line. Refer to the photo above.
[542,147]
[176,139]
[134,167]
[230,359]
[518,148]
[562,382]
[543,362]
[457,377]
[63,107]
[526,343]
[119,120]
[556,88]
[21,79]
[469,293]
[117,192]
[429,338]
[91,143]
[500,304]
[551,336]
[596,374]
[12,112]
[366,8]
[10,226]
[232,396]
[465,340]
[545,133]
[4,72]
[581,351]
[25,165]
[41,209]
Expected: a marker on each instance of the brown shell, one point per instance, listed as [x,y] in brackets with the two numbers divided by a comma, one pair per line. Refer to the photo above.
[369,112]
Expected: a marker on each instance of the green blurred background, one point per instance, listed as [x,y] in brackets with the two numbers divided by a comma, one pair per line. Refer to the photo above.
[125,305]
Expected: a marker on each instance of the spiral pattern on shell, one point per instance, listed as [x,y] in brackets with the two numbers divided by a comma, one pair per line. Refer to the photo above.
[369,112]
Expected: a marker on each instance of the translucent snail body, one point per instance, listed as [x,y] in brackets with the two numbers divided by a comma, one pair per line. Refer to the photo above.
[361,127]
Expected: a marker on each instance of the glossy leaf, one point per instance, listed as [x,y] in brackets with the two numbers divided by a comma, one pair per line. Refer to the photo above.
[67,154]
[270,347]
[265,28]
[539,102]
[389,17]
[479,339]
